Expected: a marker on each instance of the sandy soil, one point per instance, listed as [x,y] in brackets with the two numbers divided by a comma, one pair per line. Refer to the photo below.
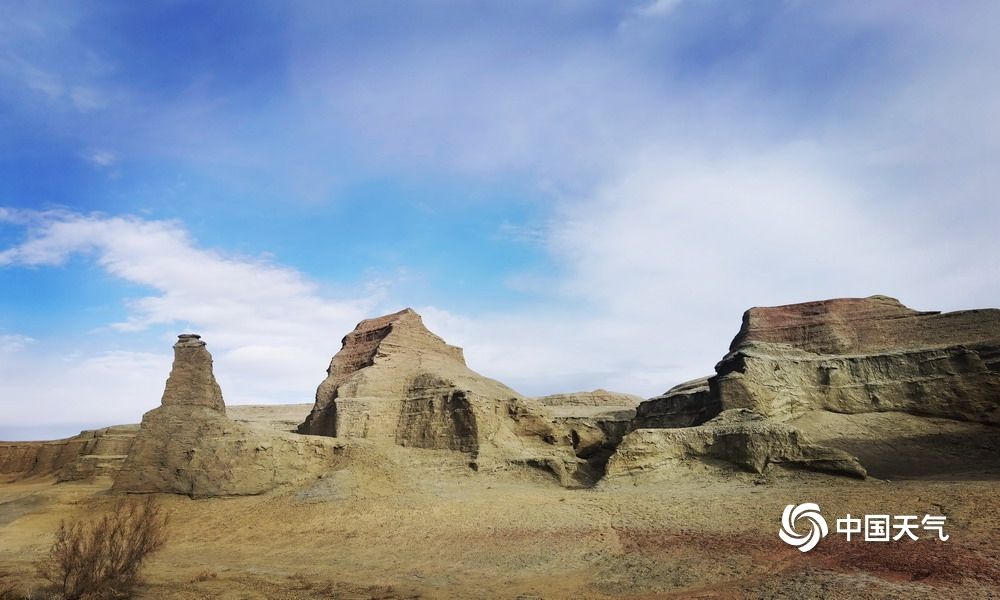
[419,524]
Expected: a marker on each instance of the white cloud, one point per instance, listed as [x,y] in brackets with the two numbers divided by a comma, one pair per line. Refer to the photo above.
[240,295]
[43,82]
[270,331]
[479,104]
[661,261]
[656,8]
[14,343]
[66,392]
[100,158]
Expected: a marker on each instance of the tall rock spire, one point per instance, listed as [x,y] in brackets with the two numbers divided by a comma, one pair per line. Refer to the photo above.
[188,445]
[191,381]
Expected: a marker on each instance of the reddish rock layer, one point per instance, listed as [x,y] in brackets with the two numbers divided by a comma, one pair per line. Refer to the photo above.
[849,326]
[371,339]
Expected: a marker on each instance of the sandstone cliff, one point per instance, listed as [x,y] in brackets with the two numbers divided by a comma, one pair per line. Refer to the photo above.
[395,382]
[189,446]
[92,453]
[684,405]
[850,355]
[863,355]
[799,364]
[597,421]
[738,437]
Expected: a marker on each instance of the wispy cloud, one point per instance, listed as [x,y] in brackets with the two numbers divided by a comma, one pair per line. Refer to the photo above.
[57,394]
[197,286]
[14,343]
[270,328]
[655,8]
[100,158]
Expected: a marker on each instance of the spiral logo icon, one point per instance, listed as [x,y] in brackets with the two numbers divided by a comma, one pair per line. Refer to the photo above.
[817,526]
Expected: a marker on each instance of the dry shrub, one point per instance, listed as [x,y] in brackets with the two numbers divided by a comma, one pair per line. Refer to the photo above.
[101,559]
[9,592]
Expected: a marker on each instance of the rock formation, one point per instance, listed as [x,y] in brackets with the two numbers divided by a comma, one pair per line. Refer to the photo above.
[864,355]
[395,382]
[735,437]
[597,398]
[596,420]
[92,453]
[797,365]
[684,405]
[189,446]
[851,355]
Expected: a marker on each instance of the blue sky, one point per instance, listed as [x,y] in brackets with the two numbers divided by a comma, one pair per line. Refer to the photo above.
[581,194]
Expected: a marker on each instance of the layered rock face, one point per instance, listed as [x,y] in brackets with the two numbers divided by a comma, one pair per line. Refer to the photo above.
[684,405]
[858,326]
[796,363]
[396,382]
[400,342]
[597,420]
[92,453]
[863,355]
[189,446]
[192,381]
[849,355]
[737,437]
[99,452]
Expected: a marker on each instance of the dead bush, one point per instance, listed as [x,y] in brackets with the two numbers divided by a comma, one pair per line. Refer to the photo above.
[9,592]
[101,559]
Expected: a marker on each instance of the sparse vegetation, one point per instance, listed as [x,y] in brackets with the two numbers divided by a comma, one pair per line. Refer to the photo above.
[101,559]
[8,591]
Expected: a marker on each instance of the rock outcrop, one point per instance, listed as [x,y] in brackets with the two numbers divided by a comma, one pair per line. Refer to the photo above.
[801,364]
[597,421]
[873,325]
[395,382]
[189,446]
[863,355]
[684,405]
[597,398]
[739,438]
[98,452]
[850,355]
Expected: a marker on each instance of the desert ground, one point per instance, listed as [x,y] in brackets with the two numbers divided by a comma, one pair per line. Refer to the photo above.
[415,523]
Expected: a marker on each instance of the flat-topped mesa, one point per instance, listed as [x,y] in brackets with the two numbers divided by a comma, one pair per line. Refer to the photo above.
[856,355]
[191,381]
[847,355]
[598,398]
[850,326]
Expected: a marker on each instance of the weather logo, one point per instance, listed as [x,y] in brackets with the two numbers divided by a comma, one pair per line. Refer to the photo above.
[808,513]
